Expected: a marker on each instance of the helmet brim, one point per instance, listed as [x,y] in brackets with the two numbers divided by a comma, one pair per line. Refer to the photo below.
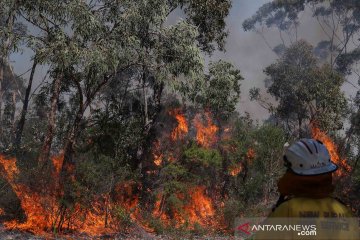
[317,171]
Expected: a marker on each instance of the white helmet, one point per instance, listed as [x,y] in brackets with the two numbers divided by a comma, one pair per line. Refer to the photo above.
[308,157]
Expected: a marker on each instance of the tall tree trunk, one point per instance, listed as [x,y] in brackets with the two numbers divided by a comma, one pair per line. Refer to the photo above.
[68,166]
[45,150]
[146,114]
[300,127]
[67,174]
[144,162]
[20,126]
[2,68]
[13,112]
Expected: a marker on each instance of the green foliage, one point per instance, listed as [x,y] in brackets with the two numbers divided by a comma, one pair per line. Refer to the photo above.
[222,90]
[156,224]
[269,144]
[173,204]
[173,179]
[122,217]
[202,157]
[209,16]
[198,229]
[305,91]
[269,151]
[198,166]
[278,13]
[98,175]
[202,164]
[260,172]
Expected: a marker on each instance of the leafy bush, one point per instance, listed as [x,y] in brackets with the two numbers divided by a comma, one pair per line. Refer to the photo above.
[122,217]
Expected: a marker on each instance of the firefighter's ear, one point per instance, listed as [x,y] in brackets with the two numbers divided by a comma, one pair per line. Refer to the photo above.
[287,163]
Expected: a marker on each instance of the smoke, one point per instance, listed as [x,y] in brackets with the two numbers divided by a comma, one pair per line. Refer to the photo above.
[249,52]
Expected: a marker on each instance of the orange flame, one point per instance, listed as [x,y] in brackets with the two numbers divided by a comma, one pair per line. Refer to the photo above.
[157,155]
[158,160]
[158,209]
[235,170]
[250,153]
[333,150]
[42,209]
[37,207]
[200,206]
[206,134]
[198,210]
[182,128]
[58,162]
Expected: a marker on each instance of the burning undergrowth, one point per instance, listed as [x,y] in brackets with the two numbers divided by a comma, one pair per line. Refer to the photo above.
[43,210]
[180,154]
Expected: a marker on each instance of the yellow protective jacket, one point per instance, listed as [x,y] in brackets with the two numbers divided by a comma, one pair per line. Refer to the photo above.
[323,211]
[309,207]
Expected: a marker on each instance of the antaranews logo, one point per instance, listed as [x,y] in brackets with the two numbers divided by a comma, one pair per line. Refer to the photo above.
[297,228]
[308,230]
[245,228]
[272,230]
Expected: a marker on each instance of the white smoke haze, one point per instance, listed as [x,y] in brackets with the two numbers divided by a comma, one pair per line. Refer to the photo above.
[251,53]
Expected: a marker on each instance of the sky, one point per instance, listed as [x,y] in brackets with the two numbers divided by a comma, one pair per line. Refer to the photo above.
[245,50]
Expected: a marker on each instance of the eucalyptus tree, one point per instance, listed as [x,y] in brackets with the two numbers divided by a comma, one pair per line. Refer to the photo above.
[222,89]
[306,91]
[339,25]
[86,43]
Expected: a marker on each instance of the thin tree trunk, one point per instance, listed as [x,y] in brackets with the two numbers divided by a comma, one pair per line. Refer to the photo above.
[300,127]
[146,115]
[45,150]
[1,91]
[12,120]
[144,162]
[69,164]
[20,126]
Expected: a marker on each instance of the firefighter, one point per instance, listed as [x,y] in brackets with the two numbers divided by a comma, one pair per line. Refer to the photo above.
[306,192]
